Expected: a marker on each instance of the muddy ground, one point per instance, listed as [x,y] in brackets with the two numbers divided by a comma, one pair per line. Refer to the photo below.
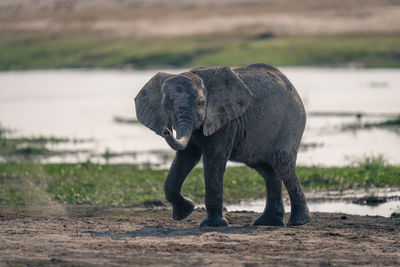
[131,236]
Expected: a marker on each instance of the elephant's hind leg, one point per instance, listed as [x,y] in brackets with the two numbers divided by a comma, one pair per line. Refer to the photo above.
[183,163]
[299,213]
[285,165]
[274,210]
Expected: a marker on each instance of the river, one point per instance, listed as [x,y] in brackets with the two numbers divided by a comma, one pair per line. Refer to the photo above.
[82,104]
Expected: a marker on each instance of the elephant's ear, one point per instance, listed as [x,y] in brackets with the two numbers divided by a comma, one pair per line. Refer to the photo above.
[149,109]
[227,97]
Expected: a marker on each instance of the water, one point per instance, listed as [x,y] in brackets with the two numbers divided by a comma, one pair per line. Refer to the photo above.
[82,104]
[337,206]
[341,202]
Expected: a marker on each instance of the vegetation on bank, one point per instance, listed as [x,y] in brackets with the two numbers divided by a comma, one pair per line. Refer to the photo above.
[22,148]
[393,123]
[389,122]
[125,120]
[29,183]
[28,51]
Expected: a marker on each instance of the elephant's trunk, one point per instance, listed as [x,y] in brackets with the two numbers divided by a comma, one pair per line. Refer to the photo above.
[181,140]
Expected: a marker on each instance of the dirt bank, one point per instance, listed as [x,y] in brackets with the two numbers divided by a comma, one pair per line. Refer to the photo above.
[173,18]
[105,236]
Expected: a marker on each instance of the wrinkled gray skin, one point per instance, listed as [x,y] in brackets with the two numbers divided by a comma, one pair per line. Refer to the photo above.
[251,114]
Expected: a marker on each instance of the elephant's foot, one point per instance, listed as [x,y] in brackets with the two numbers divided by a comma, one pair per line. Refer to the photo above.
[214,222]
[299,217]
[181,211]
[269,220]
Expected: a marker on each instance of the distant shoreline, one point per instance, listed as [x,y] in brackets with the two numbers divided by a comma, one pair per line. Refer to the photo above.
[32,51]
[144,34]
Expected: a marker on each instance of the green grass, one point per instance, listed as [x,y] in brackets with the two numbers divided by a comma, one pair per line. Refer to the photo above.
[24,147]
[26,183]
[34,147]
[390,122]
[120,119]
[393,122]
[15,149]
[61,51]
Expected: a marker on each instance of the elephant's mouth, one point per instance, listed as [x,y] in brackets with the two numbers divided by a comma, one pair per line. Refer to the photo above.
[181,140]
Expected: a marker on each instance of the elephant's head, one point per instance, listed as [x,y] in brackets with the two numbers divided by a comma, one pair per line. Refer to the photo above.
[204,97]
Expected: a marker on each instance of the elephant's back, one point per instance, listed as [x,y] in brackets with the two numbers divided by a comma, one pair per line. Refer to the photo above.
[262,78]
[271,89]
[272,92]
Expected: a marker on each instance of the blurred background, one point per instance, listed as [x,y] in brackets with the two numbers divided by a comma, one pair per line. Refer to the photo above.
[71,69]
[69,72]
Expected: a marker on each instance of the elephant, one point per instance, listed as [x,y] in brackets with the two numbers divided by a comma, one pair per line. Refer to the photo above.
[249,114]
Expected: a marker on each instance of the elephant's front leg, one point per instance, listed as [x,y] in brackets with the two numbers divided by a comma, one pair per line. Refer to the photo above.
[183,163]
[214,168]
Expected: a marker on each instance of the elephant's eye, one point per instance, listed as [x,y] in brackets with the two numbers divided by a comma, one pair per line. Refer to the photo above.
[201,102]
